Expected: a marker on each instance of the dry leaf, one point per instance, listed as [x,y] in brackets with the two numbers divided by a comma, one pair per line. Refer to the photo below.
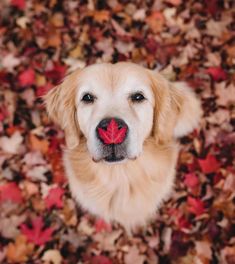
[19,251]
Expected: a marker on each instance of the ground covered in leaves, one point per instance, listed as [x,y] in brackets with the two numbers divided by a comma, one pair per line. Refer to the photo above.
[41,41]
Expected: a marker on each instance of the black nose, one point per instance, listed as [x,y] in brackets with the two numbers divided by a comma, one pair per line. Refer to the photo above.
[112,131]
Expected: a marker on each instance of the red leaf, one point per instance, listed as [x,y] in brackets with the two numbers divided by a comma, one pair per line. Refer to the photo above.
[20,4]
[112,135]
[151,45]
[10,192]
[57,73]
[27,77]
[42,90]
[217,73]
[54,198]
[100,260]
[212,6]
[195,206]
[37,234]
[3,113]
[183,223]
[209,164]
[101,225]
[191,180]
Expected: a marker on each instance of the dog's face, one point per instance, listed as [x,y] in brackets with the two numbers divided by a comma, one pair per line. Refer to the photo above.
[119,96]
[117,106]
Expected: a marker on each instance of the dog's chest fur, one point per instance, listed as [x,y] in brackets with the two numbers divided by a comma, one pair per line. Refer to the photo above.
[128,193]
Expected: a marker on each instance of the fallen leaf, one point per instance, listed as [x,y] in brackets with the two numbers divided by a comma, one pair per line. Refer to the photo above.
[43,90]
[101,16]
[217,73]
[107,240]
[195,206]
[11,144]
[209,165]
[27,77]
[37,234]
[191,180]
[19,251]
[9,225]
[57,20]
[37,173]
[203,249]
[212,6]
[224,93]
[134,256]
[10,61]
[30,188]
[52,256]
[57,73]
[20,4]
[155,21]
[38,144]
[54,198]
[10,192]
[101,225]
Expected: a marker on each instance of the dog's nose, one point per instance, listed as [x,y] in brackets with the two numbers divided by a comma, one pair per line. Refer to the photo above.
[112,131]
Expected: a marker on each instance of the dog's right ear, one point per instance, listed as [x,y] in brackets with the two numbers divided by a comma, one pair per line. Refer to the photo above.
[61,108]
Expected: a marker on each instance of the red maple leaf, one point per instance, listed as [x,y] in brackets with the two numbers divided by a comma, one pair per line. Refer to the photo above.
[54,198]
[37,234]
[10,192]
[191,180]
[209,165]
[195,205]
[20,4]
[101,225]
[112,135]
[27,77]
[217,73]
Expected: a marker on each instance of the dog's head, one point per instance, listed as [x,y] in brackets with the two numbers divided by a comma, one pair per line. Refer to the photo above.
[116,107]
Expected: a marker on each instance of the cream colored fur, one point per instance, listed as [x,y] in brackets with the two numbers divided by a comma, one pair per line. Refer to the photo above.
[128,192]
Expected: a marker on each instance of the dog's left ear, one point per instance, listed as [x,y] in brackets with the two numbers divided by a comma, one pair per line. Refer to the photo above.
[61,108]
[177,108]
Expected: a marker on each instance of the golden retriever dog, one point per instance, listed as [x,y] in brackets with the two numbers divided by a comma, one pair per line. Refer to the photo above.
[121,124]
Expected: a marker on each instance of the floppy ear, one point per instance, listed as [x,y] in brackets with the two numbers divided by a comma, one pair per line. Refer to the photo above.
[177,109]
[61,108]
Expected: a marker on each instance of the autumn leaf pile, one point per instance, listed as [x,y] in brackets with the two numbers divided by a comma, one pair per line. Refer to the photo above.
[41,41]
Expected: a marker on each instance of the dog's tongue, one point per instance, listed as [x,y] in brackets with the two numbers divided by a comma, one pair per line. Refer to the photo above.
[112,135]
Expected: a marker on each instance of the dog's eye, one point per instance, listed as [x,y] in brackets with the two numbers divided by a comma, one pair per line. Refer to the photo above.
[88,98]
[137,97]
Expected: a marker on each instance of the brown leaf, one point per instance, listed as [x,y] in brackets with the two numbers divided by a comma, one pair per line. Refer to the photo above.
[20,250]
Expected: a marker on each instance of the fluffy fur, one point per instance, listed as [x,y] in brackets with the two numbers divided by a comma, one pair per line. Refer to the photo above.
[130,191]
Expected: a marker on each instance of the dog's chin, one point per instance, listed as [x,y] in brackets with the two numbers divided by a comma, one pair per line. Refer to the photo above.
[113,159]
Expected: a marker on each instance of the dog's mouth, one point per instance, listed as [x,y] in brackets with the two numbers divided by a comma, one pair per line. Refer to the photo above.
[113,158]
[112,154]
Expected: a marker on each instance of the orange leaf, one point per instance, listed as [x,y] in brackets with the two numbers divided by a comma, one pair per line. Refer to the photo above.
[19,251]
[38,144]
